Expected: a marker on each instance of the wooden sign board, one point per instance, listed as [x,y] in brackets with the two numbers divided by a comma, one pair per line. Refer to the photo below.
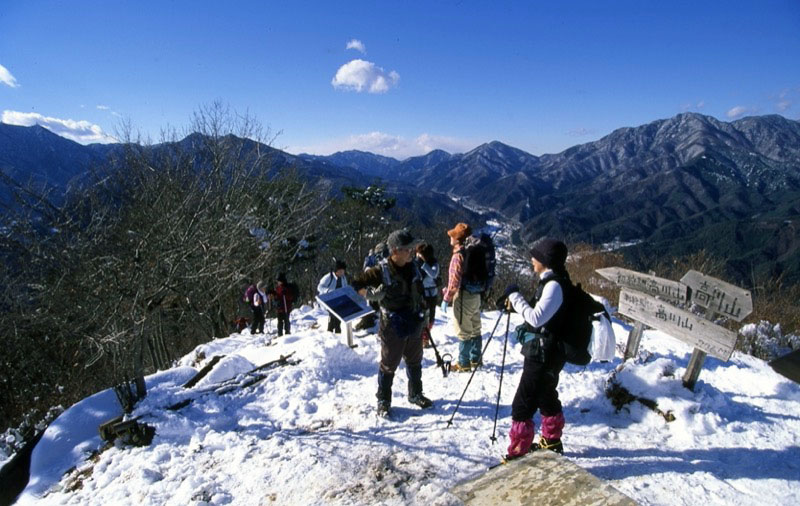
[689,328]
[718,296]
[659,287]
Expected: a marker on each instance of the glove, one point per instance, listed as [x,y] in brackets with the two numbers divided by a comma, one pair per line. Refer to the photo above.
[445,305]
[510,289]
[501,302]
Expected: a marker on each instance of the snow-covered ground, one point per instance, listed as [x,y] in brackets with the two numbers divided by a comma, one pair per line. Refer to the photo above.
[308,433]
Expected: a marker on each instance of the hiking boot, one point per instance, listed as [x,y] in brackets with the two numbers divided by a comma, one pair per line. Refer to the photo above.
[384,408]
[426,343]
[554,445]
[421,401]
[460,368]
[476,365]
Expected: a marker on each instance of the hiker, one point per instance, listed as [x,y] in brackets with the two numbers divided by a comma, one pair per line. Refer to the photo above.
[373,258]
[257,298]
[282,298]
[543,358]
[431,281]
[466,304]
[331,281]
[401,315]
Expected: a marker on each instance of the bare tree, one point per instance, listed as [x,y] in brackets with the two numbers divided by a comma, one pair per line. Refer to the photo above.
[149,260]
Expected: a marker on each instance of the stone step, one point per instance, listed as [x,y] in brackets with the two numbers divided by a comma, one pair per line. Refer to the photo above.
[539,478]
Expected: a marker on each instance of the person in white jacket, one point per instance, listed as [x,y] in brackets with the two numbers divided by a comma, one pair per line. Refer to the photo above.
[544,358]
[431,282]
[337,278]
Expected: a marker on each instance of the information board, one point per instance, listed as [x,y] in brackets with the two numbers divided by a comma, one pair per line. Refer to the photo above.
[345,304]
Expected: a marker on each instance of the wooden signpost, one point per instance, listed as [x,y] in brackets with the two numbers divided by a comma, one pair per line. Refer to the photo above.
[638,300]
[672,291]
[689,328]
[718,296]
[645,283]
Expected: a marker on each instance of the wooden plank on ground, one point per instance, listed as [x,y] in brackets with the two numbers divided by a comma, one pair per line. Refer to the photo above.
[718,296]
[689,328]
[540,478]
[203,372]
[788,365]
[660,287]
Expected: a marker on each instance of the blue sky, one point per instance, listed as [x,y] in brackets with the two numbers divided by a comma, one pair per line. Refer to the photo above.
[397,77]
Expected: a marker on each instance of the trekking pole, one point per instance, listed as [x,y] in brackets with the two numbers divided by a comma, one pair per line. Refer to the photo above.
[440,362]
[450,422]
[502,368]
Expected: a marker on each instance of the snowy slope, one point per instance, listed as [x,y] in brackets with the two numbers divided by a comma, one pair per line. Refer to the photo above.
[308,434]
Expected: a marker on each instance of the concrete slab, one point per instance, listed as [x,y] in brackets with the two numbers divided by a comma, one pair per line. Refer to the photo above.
[540,478]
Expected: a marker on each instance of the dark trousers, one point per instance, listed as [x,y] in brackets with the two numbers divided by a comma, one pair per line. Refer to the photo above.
[430,314]
[283,324]
[395,348]
[334,324]
[537,388]
[257,327]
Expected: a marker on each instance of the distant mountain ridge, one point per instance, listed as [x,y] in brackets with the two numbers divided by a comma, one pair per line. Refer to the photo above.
[676,185]
[37,155]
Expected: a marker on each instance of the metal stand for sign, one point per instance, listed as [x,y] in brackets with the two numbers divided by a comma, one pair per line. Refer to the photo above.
[349,331]
[346,305]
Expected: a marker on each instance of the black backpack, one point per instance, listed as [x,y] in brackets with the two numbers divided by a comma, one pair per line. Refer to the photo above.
[294,290]
[576,328]
[479,263]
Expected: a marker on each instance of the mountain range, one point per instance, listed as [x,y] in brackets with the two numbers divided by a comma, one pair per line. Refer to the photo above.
[672,186]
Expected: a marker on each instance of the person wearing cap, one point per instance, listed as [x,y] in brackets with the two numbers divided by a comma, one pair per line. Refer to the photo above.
[331,281]
[283,297]
[466,305]
[401,318]
[543,358]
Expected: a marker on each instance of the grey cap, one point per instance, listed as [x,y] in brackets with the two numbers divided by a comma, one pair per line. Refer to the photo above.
[400,239]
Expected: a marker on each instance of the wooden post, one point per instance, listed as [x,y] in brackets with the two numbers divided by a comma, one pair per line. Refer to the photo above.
[634,338]
[696,361]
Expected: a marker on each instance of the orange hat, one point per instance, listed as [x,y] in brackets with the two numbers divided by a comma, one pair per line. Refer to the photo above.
[460,232]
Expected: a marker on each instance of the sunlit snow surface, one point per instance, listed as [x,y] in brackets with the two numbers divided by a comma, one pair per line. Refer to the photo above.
[308,433]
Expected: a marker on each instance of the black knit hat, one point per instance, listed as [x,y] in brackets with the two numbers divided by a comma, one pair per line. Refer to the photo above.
[281,277]
[339,264]
[551,253]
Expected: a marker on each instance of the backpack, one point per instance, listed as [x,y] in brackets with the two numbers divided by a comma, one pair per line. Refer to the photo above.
[294,290]
[249,294]
[479,263]
[575,334]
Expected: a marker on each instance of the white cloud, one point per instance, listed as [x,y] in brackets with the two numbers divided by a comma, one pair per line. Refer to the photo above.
[783,105]
[6,78]
[737,111]
[103,107]
[357,45]
[689,106]
[78,131]
[581,132]
[385,144]
[360,75]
